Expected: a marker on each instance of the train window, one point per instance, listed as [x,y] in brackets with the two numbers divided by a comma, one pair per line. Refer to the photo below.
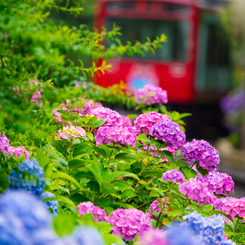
[175,49]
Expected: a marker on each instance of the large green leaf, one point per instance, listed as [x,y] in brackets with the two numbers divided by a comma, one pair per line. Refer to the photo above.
[65,176]
[61,199]
[189,173]
[113,176]
[60,148]
[126,156]
[76,163]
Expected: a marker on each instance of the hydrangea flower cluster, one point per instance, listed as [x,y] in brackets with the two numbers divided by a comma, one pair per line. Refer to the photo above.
[209,229]
[113,118]
[19,151]
[220,183]
[197,191]
[126,122]
[203,152]
[233,206]
[144,122]
[155,205]
[29,176]
[71,132]
[153,237]
[50,204]
[119,136]
[127,223]
[151,94]
[4,144]
[25,220]
[170,133]
[173,175]
[88,207]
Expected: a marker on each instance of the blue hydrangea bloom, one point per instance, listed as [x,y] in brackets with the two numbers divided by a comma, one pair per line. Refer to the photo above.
[209,229]
[21,216]
[227,242]
[50,204]
[29,176]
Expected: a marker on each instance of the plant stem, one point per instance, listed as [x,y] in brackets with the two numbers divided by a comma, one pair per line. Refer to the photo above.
[146,203]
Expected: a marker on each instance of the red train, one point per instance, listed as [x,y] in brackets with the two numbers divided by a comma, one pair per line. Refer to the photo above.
[194,65]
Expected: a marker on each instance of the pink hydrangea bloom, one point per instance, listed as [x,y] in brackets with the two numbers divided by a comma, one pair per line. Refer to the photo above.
[88,207]
[170,133]
[126,122]
[155,205]
[19,151]
[113,118]
[234,207]
[173,175]
[220,183]
[153,237]
[4,144]
[203,152]
[144,122]
[71,132]
[127,223]
[151,94]
[119,136]
[197,191]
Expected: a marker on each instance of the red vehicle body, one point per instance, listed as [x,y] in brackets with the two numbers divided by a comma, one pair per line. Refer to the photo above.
[194,65]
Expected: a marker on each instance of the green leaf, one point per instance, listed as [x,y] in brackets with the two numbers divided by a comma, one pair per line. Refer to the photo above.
[78,198]
[189,173]
[61,199]
[99,123]
[65,176]
[112,176]
[168,155]
[126,156]
[76,163]
[201,170]
[42,158]
[111,239]
[104,227]
[60,148]
[143,138]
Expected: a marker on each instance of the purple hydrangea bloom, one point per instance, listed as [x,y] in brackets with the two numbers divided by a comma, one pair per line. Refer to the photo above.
[203,152]
[170,133]
[127,223]
[227,242]
[197,191]
[209,229]
[113,118]
[144,122]
[220,183]
[22,215]
[19,151]
[29,176]
[151,94]
[173,175]
[155,206]
[233,207]
[88,207]
[50,204]
[119,136]
[4,144]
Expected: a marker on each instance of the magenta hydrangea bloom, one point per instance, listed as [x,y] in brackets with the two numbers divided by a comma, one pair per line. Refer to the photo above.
[144,122]
[126,122]
[234,207]
[127,223]
[71,132]
[173,175]
[170,133]
[119,136]
[151,94]
[155,205]
[19,151]
[203,152]
[88,207]
[113,118]
[4,144]
[153,237]
[220,183]
[197,191]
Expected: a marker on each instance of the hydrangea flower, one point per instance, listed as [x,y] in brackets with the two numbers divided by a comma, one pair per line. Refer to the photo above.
[50,204]
[155,205]
[4,144]
[144,122]
[227,242]
[126,122]
[220,183]
[234,207]
[170,133]
[113,118]
[119,136]
[29,176]
[197,191]
[71,132]
[153,237]
[151,94]
[22,216]
[203,152]
[173,175]
[19,151]
[88,207]
[127,223]
[209,229]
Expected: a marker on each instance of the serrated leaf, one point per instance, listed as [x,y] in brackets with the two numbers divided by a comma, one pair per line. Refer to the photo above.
[65,176]
[76,163]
